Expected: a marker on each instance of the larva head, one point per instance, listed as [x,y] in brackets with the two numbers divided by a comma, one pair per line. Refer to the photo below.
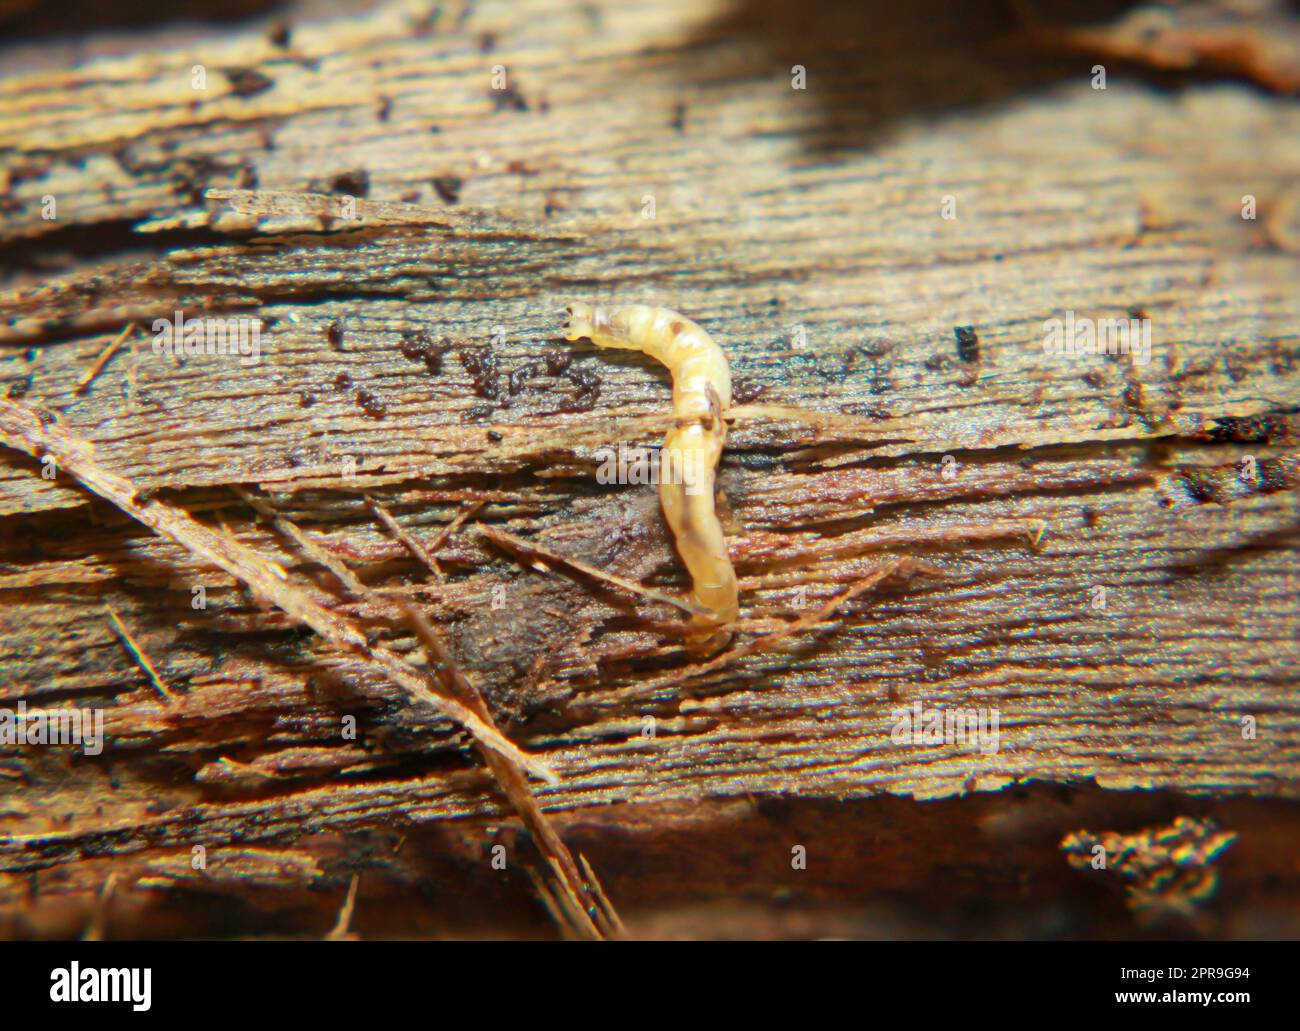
[579,320]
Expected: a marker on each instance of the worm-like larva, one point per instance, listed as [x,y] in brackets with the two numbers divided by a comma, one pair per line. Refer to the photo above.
[701,397]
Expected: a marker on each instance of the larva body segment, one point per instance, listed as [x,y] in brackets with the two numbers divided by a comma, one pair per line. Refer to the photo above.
[701,397]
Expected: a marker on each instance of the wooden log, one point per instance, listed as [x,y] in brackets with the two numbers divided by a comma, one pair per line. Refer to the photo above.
[399,201]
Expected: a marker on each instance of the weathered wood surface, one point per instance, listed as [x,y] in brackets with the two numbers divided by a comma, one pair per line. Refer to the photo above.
[804,229]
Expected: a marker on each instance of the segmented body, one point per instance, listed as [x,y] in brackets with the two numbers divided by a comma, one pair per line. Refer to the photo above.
[701,397]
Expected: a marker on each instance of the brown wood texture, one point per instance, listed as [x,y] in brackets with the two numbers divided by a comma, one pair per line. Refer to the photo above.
[806,229]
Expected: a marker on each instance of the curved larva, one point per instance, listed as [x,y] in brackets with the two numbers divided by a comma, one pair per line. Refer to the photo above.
[701,397]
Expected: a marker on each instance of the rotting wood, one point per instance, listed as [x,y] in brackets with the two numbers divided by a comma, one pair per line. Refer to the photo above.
[777,212]
[22,429]
[573,899]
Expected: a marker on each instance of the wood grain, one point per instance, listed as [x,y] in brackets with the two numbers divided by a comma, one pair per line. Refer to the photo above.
[804,229]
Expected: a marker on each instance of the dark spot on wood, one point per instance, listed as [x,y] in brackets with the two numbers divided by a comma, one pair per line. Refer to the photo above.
[557,359]
[370,404]
[1091,517]
[247,82]
[1133,397]
[482,365]
[306,400]
[744,391]
[937,362]
[334,334]
[494,437]
[1275,474]
[342,381]
[385,108]
[520,376]
[755,460]
[588,384]
[1283,360]
[27,171]
[871,351]
[878,381]
[508,99]
[968,343]
[517,167]
[799,362]
[448,187]
[418,346]
[1094,379]
[355,183]
[1200,485]
[477,413]
[1251,429]
[1236,369]
[194,175]
[19,388]
[425,24]
[678,121]
[280,35]
[487,42]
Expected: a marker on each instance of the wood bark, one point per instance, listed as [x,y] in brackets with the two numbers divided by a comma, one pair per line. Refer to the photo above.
[404,233]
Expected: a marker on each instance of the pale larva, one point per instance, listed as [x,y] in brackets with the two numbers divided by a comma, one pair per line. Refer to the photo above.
[701,397]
